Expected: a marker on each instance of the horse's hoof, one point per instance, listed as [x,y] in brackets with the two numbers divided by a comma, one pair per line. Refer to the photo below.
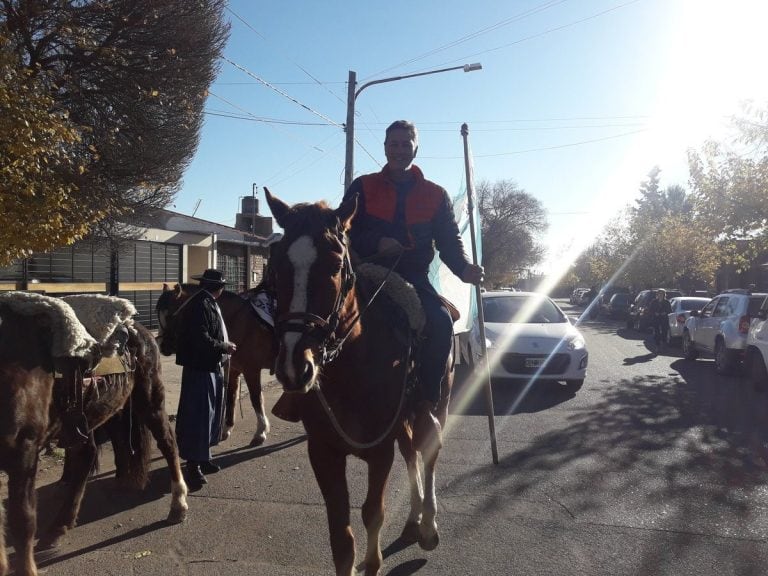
[258,439]
[176,516]
[429,542]
[49,541]
[410,533]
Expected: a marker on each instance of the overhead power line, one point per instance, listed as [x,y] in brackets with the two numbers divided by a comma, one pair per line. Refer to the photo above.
[283,94]
[261,119]
[271,125]
[543,149]
[299,66]
[544,33]
[473,35]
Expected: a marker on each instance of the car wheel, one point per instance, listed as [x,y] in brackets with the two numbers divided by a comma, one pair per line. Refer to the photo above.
[723,358]
[757,370]
[574,385]
[689,348]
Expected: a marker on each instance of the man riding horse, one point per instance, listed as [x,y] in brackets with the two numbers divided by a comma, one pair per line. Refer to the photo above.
[399,212]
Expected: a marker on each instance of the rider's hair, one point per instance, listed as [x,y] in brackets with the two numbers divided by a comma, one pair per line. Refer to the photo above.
[403,125]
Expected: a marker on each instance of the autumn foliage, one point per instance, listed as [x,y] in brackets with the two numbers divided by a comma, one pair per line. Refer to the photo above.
[100,111]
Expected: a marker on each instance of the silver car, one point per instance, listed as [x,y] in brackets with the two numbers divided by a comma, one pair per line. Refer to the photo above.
[681,309]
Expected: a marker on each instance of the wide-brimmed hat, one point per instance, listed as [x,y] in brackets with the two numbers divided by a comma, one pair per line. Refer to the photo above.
[211,276]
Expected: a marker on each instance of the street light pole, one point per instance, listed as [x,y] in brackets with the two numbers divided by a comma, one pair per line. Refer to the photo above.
[352,95]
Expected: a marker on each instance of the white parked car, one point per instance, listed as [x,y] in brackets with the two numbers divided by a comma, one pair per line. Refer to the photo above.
[529,337]
[720,328]
[756,360]
[681,309]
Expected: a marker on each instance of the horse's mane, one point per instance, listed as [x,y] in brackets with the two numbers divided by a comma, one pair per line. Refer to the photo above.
[191,289]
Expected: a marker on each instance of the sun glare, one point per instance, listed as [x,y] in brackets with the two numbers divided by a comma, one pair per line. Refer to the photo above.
[713,66]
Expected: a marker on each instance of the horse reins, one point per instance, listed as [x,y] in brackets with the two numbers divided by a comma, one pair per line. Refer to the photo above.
[331,344]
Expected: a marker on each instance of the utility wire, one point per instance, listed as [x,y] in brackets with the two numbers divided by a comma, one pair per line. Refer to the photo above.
[261,119]
[272,125]
[283,94]
[569,145]
[544,33]
[473,35]
[299,66]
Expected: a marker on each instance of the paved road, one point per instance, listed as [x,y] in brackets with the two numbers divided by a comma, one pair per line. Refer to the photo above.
[657,466]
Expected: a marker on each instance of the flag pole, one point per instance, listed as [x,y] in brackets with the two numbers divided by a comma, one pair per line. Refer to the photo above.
[479,296]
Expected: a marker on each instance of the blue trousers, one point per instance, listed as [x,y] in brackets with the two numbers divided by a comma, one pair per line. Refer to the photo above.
[435,345]
[200,415]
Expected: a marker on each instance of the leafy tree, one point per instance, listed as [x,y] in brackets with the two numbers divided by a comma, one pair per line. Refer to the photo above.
[512,221]
[730,189]
[38,195]
[124,81]
[656,242]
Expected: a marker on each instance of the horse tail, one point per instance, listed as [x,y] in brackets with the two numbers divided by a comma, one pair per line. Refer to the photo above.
[131,442]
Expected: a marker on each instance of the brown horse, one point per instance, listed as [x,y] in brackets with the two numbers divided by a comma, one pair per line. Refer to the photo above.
[255,348]
[30,417]
[342,353]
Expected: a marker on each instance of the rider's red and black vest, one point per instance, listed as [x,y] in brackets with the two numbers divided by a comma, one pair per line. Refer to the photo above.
[419,215]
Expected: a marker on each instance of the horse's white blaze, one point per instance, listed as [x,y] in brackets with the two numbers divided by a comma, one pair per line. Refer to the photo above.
[301,254]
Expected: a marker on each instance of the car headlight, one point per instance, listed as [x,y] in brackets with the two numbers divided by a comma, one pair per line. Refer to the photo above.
[576,343]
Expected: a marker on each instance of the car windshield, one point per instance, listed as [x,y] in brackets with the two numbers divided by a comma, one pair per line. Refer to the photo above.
[620,298]
[521,310]
[692,303]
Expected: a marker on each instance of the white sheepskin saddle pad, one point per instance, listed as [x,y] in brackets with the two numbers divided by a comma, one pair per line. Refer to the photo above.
[398,290]
[102,315]
[70,338]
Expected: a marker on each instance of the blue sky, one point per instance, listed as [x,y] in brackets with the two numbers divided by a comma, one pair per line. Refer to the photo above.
[576,102]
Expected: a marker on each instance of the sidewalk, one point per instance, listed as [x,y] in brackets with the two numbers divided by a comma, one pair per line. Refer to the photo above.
[171,374]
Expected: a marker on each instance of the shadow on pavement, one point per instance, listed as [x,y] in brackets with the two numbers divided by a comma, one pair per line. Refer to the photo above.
[468,397]
[684,453]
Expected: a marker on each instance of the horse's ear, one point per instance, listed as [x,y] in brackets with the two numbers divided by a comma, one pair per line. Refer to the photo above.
[278,208]
[166,288]
[177,288]
[346,211]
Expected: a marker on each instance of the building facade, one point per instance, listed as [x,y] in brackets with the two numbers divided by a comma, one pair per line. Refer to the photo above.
[168,248]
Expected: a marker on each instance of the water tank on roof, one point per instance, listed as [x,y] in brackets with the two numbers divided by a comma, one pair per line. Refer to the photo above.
[250,205]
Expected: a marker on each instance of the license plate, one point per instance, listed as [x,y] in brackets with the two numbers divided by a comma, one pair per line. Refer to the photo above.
[534,362]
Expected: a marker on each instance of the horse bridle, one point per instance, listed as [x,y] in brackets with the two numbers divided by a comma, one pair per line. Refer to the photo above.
[324,329]
[330,344]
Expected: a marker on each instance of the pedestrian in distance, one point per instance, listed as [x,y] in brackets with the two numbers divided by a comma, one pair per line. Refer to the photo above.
[402,217]
[202,348]
[659,310]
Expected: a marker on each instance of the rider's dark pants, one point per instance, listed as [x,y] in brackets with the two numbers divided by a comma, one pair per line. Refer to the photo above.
[660,329]
[435,345]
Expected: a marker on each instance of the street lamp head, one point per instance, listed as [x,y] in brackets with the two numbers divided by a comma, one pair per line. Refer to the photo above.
[473,67]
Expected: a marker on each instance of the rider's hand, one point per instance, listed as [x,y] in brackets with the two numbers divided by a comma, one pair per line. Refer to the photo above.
[231,347]
[472,274]
[387,244]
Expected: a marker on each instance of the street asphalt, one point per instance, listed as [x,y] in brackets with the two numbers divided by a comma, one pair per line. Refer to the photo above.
[642,473]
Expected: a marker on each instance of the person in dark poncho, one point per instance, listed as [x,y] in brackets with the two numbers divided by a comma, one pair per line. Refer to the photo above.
[202,347]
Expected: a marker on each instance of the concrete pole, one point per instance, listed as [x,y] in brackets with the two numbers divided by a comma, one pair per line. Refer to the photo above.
[349,163]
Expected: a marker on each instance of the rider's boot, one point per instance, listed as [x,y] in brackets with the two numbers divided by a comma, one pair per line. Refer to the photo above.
[289,406]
